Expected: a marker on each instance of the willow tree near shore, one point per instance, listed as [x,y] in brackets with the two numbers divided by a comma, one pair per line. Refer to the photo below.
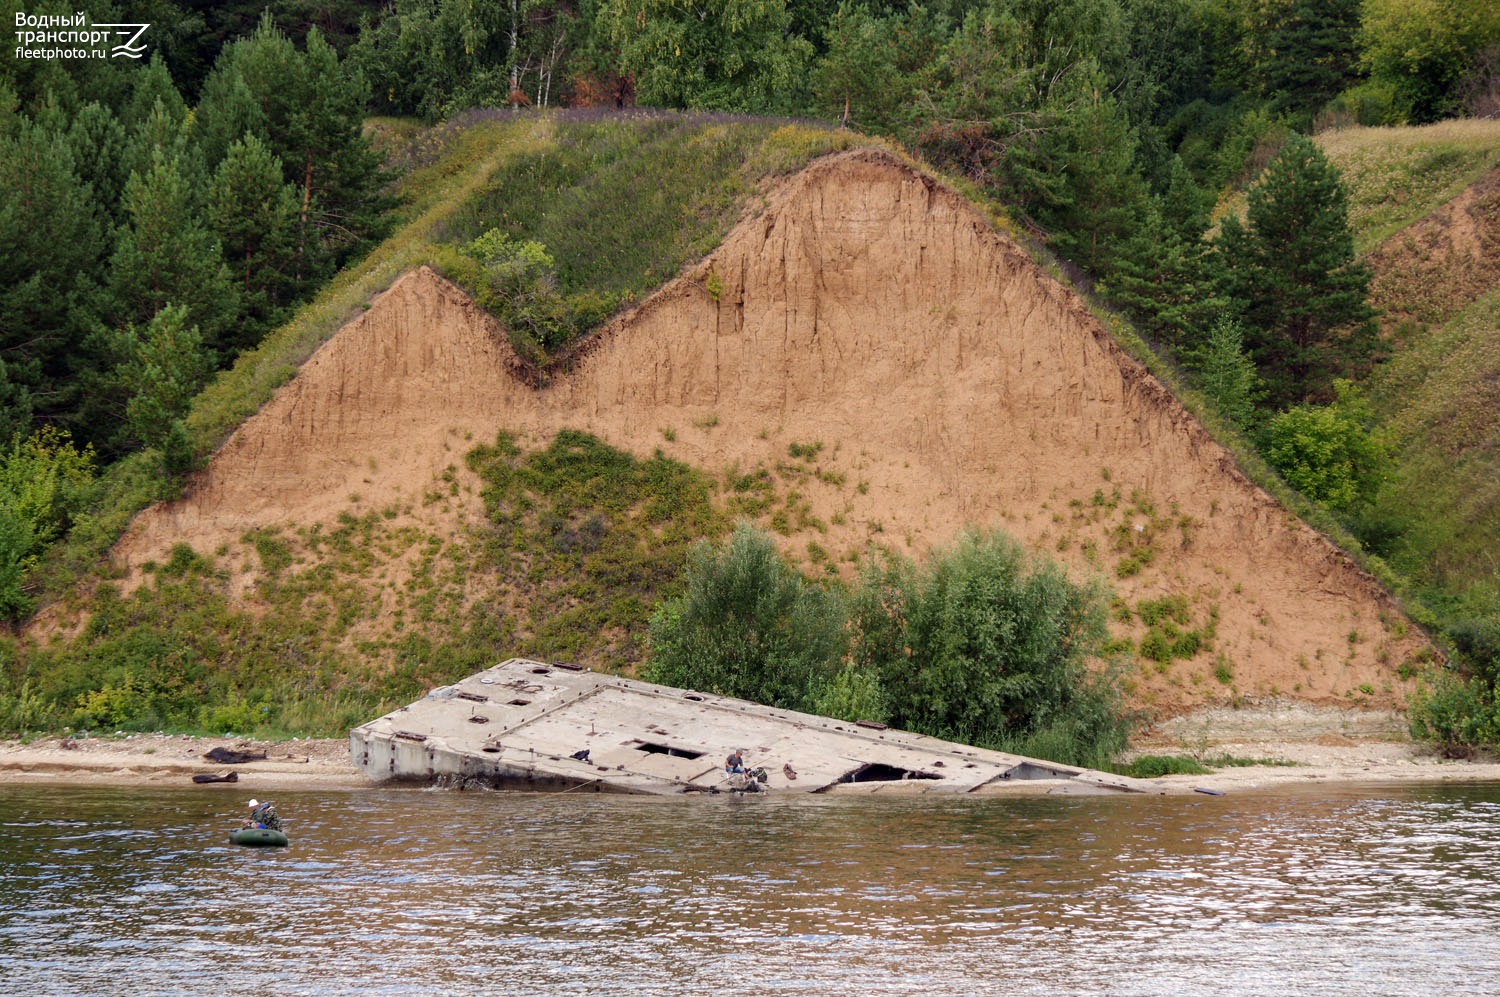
[984,644]
[748,626]
[988,644]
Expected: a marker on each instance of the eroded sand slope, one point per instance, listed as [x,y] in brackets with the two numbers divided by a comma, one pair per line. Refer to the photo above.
[949,380]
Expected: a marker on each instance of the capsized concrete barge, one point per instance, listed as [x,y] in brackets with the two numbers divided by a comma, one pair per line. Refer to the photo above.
[553,727]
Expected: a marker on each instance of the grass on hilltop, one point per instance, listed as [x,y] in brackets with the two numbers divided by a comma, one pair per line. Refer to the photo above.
[611,208]
[1396,176]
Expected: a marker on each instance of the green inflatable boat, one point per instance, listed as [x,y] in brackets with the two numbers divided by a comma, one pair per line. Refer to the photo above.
[262,837]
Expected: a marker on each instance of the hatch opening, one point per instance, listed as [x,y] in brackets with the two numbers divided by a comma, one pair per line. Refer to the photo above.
[666,749]
[880,772]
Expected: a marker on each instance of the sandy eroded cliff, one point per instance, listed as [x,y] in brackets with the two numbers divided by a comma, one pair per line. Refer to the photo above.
[949,379]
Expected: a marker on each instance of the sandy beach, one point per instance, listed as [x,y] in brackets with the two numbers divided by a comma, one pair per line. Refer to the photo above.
[1369,751]
[173,760]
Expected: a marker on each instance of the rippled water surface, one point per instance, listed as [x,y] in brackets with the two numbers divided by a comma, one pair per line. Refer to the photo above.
[1372,891]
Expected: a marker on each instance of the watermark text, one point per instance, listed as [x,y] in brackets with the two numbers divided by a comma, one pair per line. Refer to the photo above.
[74,36]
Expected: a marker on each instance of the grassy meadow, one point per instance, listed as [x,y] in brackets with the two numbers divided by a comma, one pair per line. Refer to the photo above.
[1397,175]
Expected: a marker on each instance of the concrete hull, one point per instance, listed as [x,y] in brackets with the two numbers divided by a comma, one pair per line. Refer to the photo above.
[530,725]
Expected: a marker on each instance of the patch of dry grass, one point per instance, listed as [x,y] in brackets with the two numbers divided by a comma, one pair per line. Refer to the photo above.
[1397,175]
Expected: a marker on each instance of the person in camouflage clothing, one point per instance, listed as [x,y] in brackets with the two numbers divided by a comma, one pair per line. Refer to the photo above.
[263,815]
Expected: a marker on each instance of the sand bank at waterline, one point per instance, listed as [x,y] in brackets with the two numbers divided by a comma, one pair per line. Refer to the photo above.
[168,760]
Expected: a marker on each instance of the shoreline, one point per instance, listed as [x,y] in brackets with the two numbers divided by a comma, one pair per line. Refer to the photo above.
[137,760]
[131,760]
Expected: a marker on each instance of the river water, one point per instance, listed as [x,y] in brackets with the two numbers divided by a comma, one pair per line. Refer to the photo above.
[1364,891]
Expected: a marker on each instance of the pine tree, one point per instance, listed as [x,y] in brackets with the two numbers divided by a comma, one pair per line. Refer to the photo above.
[161,134]
[98,141]
[164,366]
[1226,375]
[1311,52]
[858,80]
[1168,286]
[16,409]
[1292,265]
[1166,278]
[153,86]
[1099,198]
[340,184]
[976,97]
[312,108]
[49,256]
[164,255]
[1184,206]
[254,215]
[226,113]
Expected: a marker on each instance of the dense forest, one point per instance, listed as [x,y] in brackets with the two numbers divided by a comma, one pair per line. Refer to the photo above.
[158,217]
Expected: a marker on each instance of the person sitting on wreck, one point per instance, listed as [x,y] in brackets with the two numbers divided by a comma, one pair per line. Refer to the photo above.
[735,763]
[262,815]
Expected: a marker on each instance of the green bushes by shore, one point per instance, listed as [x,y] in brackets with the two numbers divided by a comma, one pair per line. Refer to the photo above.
[983,644]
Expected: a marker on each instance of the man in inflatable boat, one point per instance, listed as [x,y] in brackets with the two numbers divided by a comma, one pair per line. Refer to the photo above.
[262,815]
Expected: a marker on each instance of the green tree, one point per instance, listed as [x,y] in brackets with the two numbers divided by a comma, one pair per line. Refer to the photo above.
[1165,276]
[1019,86]
[153,87]
[50,235]
[164,366]
[15,404]
[1094,197]
[157,121]
[1327,452]
[253,213]
[415,62]
[1311,54]
[71,82]
[858,80]
[44,482]
[312,107]
[748,626]
[519,284]
[1176,50]
[1476,641]
[437,58]
[226,113]
[98,141]
[160,135]
[989,646]
[1225,373]
[1458,713]
[1293,266]
[978,97]
[1424,49]
[1062,34]
[719,55]
[165,255]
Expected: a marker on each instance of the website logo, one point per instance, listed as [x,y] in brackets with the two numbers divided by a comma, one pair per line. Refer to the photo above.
[132,47]
[73,36]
